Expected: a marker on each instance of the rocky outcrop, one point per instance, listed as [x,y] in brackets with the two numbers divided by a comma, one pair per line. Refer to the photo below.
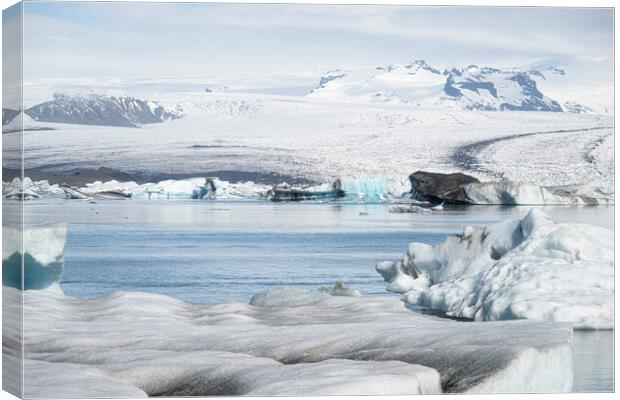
[437,188]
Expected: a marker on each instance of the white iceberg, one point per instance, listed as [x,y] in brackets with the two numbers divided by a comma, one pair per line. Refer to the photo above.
[113,185]
[522,269]
[337,345]
[183,189]
[42,255]
[236,191]
[28,189]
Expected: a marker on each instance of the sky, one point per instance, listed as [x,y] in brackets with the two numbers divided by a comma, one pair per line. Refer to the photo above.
[188,40]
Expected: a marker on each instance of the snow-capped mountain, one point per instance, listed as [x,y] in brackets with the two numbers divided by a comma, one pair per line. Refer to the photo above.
[419,84]
[8,115]
[101,110]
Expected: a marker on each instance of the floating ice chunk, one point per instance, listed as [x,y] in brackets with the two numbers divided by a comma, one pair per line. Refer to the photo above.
[163,346]
[289,297]
[113,185]
[531,268]
[373,190]
[411,209]
[225,190]
[340,289]
[43,255]
[184,189]
[28,190]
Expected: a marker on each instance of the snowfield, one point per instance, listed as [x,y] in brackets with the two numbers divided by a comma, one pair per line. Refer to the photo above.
[320,141]
[523,269]
[156,345]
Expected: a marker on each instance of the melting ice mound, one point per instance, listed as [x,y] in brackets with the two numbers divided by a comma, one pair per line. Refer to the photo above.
[156,345]
[531,268]
[43,255]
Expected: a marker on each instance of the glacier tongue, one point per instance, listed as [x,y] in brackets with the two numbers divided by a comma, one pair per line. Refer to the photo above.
[531,268]
[336,345]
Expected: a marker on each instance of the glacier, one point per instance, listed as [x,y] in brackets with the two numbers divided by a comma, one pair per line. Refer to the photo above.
[532,268]
[333,345]
[319,141]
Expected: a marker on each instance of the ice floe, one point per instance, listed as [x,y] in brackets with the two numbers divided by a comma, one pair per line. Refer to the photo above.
[157,345]
[531,268]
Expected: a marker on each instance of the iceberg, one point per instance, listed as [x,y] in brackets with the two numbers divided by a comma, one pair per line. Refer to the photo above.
[42,255]
[28,189]
[183,189]
[375,190]
[531,268]
[287,297]
[160,346]
[458,188]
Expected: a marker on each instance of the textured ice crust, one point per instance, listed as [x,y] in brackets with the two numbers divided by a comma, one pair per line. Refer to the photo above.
[531,268]
[157,345]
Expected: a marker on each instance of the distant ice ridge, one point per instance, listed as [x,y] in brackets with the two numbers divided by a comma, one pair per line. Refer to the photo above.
[42,252]
[199,188]
[337,345]
[531,268]
[368,190]
[357,190]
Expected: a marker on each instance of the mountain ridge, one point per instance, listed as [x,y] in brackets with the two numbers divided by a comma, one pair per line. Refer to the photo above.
[473,87]
[96,109]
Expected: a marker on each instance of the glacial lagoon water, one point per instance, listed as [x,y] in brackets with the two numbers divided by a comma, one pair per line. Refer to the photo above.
[210,252]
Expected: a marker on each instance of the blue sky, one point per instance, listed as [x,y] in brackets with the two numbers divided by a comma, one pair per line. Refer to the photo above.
[150,40]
